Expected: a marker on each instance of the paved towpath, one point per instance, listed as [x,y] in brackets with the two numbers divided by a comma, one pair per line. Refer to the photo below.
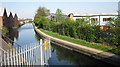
[4,45]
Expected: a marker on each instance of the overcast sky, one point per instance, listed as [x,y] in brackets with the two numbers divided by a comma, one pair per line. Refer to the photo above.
[27,8]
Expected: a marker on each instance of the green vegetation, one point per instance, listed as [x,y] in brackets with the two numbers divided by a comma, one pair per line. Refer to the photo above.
[5,31]
[59,16]
[80,31]
[41,12]
[81,42]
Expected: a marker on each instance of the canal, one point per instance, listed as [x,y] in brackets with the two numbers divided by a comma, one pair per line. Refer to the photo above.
[60,56]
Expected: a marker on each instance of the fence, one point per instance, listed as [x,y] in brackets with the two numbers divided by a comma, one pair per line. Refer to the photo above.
[9,41]
[31,54]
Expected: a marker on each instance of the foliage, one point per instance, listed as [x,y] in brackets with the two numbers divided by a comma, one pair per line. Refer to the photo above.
[81,42]
[43,23]
[5,31]
[59,15]
[41,11]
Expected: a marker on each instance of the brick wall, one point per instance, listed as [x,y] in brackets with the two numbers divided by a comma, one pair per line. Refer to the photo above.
[1,22]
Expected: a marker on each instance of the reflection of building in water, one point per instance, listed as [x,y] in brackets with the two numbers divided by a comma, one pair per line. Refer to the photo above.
[13,35]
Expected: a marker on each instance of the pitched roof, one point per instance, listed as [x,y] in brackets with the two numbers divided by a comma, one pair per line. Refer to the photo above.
[1,11]
[8,12]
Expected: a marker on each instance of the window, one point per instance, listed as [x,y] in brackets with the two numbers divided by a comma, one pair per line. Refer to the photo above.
[106,19]
[94,20]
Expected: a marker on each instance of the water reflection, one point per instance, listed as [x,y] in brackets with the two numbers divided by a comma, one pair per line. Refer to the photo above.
[63,56]
[11,36]
[27,26]
[26,34]
[73,58]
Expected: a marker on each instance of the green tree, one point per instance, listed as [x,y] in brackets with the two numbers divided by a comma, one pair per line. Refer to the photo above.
[116,32]
[59,15]
[53,26]
[41,11]
[44,23]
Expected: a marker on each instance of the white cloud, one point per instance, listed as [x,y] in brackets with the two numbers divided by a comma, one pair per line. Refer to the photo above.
[59,0]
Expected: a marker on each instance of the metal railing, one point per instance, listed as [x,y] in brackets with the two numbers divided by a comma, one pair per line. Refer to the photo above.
[31,54]
[10,42]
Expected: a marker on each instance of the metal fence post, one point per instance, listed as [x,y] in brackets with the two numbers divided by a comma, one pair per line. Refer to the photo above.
[42,54]
[16,54]
[1,60]
[11,59]
[4,58]
[13,56]
[8,55]
[49,47]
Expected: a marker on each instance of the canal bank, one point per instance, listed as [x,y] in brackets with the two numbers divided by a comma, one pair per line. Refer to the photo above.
[4,45]
[97,54]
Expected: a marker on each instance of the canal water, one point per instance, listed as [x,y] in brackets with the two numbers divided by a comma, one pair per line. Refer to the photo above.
[60,56]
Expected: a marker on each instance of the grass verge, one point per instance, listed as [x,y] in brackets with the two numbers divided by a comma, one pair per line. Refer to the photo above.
[81,42]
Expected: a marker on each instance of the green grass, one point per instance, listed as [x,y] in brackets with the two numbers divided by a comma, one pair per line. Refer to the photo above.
[81,42]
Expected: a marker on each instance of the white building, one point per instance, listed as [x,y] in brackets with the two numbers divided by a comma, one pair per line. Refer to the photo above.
[98,19]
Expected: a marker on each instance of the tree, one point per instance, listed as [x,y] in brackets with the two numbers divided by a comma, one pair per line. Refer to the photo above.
[116,32]
[43,23]
[41,11]
[59,15]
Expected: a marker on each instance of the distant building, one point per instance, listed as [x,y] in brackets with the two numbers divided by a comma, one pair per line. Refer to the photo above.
[71,16]
[15,20]
[1,22]
[1,17]
[97,19]
[51,17]
[29,20]
[8,19]
[23,21]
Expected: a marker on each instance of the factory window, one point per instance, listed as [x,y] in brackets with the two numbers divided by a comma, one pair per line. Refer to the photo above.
[106,19]
[94,20]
